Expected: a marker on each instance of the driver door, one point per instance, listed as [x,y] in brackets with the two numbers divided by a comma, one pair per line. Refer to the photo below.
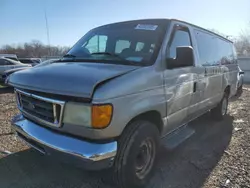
[180,84]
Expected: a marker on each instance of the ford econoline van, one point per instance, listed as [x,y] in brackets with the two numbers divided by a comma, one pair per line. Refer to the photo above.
[121,90]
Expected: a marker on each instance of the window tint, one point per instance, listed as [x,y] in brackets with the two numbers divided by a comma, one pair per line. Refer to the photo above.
[97,44]
[121,45]
[181,38]
[26,61]
[137,45]
[213,50]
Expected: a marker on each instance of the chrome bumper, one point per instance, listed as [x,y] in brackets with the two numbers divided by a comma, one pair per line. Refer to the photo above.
[91,155]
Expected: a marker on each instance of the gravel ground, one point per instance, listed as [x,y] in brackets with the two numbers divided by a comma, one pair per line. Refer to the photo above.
[218,155]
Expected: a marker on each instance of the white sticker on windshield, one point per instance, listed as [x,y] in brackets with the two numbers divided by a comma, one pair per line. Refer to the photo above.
[146,27]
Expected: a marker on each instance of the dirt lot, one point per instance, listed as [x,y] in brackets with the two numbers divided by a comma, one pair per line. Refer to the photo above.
[218,155]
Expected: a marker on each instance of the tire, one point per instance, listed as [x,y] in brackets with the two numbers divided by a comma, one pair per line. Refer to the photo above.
[220,111]
[127,169]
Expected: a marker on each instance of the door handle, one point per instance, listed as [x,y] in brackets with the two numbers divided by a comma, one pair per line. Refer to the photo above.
[195,87]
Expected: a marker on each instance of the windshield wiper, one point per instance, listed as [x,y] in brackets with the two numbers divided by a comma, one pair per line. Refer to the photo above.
[69,55]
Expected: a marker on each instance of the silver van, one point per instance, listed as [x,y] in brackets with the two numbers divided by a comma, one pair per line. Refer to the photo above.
[120,90]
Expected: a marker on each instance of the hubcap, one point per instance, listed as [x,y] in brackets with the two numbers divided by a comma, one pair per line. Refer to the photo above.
[145,158]
[224,107]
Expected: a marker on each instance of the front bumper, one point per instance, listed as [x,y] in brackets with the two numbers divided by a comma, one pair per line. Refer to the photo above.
[92,156]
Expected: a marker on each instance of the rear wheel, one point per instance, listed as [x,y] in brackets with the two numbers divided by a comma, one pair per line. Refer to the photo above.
[137,150]
[219,112]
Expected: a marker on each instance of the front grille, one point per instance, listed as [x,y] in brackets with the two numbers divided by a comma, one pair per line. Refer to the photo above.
[41,109]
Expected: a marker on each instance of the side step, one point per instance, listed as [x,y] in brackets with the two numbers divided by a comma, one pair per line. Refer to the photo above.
[175,138]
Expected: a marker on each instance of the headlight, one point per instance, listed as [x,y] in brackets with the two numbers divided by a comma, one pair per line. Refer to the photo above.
[96,116]
[78,114]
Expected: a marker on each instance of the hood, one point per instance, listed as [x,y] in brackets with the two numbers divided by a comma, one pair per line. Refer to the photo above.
[71,79]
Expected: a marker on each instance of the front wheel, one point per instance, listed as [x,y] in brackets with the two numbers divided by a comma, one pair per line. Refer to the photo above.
[220,111]
[137,150]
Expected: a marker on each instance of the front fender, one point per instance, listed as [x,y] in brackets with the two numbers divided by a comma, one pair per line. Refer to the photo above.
[129,106]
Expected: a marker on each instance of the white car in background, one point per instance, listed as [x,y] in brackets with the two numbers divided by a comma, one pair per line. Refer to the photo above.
[9,56]
[7,64]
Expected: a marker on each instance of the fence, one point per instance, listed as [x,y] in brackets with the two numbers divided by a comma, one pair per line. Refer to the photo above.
[244,63]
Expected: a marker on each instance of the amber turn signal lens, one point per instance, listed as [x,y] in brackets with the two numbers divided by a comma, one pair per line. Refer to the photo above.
[101,116]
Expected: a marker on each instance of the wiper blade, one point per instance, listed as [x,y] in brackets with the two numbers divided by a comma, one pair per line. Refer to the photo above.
[69,55]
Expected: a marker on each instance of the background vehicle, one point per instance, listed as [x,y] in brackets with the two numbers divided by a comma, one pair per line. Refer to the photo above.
[31,61]
[7,64]
[9,56]
[9,72]
[240,81]
[121,89]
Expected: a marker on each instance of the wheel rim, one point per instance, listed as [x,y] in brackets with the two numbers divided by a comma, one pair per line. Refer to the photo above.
[224,106]
[145,158]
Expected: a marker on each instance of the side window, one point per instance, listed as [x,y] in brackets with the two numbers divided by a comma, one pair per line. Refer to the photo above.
[121,45]
[213,50]
[208,53]
[180,38]
[226,52]
[4,62]
[97,44]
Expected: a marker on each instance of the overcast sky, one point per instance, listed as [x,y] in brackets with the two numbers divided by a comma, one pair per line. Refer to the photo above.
[24,20]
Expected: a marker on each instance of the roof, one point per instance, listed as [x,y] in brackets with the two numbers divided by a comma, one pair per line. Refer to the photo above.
[8,55]
[161,21]
[201,29]
[139,21]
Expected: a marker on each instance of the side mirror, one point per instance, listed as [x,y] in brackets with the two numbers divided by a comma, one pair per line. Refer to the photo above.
[184,58]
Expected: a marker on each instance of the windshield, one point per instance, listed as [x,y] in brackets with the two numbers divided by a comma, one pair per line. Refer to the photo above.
[14,61]
[120,43]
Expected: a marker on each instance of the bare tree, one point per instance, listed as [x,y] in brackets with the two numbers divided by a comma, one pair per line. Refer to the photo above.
[242,44]
[34,49]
